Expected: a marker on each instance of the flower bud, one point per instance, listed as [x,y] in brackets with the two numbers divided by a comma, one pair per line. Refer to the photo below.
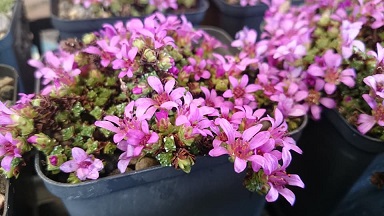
[89,38]
[165,61]
[149,56]
[42,142]
[325,19]
[139,43]
[185,164]
[222,85]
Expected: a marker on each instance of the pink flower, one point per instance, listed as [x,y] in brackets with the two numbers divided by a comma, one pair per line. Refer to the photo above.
[332,73]
[126,61]
[106,49]
[141,136]
[5,115]
[278,179]
[279,132]
[247,117]
[244,3]
[196,118]
[8,150]
[315,99]
[379,55]
[376,83]
[129,152]
[212,99]
[163,5]
[290,52]
[199,69]
[60,69]
[241,91]
[85,166]
[120,126]
[241,148]
[349,32]
[366,122]
[166,97]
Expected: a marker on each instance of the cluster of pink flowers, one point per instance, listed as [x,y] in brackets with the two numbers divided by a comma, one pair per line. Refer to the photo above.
[89,3]
[158,5]
[311,56]
[177,98]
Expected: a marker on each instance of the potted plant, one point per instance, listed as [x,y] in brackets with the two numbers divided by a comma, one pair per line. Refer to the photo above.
[14,42]
[8,90]
[120,108]
[328,49]
[73,18]
[235,14]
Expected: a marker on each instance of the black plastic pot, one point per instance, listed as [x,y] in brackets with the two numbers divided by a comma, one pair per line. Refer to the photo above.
[212,188]
[334,157]
[364,198]
[8,71]
[76,28]
[15,48]
[8,202]
[233,18]
[296,134]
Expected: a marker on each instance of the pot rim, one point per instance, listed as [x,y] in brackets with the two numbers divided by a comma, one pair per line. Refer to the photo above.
[203,6]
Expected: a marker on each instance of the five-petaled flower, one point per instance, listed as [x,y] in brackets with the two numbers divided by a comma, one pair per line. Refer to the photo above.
[85,166]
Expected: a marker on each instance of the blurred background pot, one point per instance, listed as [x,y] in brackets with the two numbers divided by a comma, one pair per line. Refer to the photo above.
[76,28]
[15,48]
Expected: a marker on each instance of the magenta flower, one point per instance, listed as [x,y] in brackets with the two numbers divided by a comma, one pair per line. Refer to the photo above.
[241,91]
[126,61]
[366,122]
[60,70]
[85,166]
[379,55]
[247,116]
[164,5]
[279,132]
[241,148]
[166,97]
[376,84]
[332,73]
[315,99]
[213,100]
[289,99]
[106,49]
[8,150]
[120,126]
[129,152]
[199,69]
[196,118]
[349,32]
[5,115]
[278,179]
[290,52]
[142,136]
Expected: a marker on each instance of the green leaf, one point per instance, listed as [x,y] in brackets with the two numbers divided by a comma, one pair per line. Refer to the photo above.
[169,144]
[109,148]
[165,158]
[78,141]
[87,130]
[62,116]
[77,109]
[120,108]
[97,112]
[92,94]
[91,146]
[68,133]
[72,179]
[103,95]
